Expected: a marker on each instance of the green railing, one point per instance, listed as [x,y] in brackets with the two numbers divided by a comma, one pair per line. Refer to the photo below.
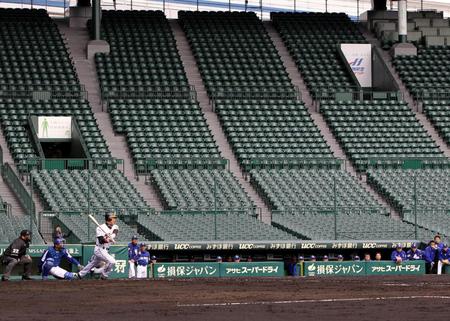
[220,211]
[407,162]
[43,92]
[331,210]
[287,163]
[254,92]
[19,189]
[430,94]
[72,164]
[353,94]
[148,91]
[146,166]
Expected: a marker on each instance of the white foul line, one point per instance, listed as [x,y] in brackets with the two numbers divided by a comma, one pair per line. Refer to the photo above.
[316,301]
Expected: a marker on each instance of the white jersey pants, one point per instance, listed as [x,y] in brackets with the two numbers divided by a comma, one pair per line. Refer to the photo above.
[100,256]
[142,271]
[132,270]
[58,272]
[439,267]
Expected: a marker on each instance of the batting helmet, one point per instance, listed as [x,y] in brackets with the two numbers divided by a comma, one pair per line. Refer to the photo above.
[109,215]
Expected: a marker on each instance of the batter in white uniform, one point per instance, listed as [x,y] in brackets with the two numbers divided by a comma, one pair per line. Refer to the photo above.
[105,236]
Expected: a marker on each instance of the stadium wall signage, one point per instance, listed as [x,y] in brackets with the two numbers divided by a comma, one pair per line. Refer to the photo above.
[361,268]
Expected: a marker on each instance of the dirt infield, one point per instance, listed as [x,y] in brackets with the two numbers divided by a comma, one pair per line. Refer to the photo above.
[340,298]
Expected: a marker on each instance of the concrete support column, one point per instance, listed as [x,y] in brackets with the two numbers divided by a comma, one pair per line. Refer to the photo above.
[402,21]
[96,45]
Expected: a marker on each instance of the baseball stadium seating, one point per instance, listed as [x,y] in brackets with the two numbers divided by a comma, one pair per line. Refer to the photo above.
[37,78]
[163,128]
[270,128]
[221,225]
[312,40]
[143,57]
[192,189]
[431,191]
[425,73]
[303,204]
[32,52]
[11,225]
[14,113]
[230,49]
[379,128]
[438,112]
[70,190]
[292,188]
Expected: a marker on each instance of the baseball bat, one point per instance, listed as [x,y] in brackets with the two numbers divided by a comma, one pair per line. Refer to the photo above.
[93,219]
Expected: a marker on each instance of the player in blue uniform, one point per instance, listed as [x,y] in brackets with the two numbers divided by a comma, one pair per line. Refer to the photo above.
[444,258]
[142,260]
[429,255]
[51,258]
[133,251]
[414,253]
[398,255]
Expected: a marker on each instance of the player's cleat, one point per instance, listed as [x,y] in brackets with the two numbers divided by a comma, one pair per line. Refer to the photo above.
[76,276]
[103,278]
[26,278]
[4,279]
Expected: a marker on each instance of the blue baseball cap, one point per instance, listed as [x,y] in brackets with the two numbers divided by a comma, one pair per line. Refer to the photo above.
[340,256]
[153,257]
[301,257]
[237,257]
[58,241]
[325,256]
[219,258]
[399,246]
[142,244]
[445,245]
[312,257]
[134,237]
[414,245]
[356,258]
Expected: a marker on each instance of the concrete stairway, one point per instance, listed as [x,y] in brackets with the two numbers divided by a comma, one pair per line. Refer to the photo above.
[318,119]
[212,120]
[289,64]
[190,65]
[119,149]
[5,192]
[423,120]
[77,39]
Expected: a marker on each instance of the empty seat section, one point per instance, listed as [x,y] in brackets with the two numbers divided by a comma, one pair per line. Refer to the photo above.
[438,112]
[143,57]
[163,128]
[378,129]
[304,203]
[425,191]
[312,40]
[70,191]
[14,113]
[208,226]
[270,128]
[426,73]
[201,190]
[235,55]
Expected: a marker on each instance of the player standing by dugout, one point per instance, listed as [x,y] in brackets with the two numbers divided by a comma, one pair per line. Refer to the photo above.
[133,251]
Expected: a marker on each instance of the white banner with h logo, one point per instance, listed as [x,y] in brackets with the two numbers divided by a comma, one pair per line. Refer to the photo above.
[359,57]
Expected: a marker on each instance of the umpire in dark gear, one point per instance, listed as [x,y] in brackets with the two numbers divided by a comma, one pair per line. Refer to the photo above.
[16,254]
